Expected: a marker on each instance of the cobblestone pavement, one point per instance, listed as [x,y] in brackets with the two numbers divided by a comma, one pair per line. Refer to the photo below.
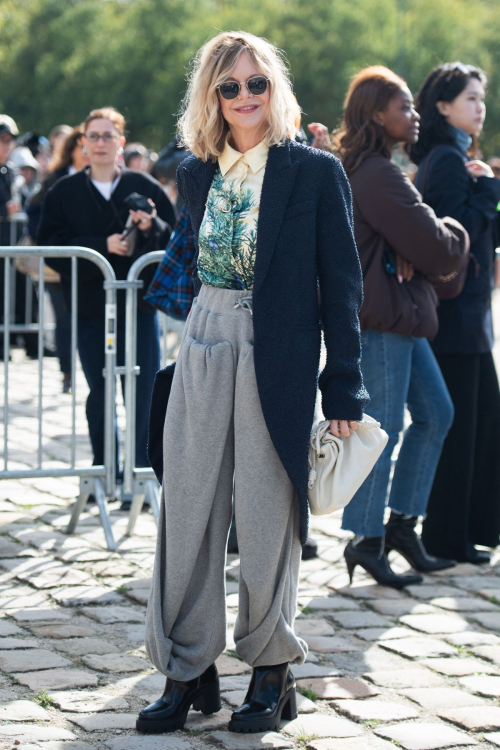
[418,669]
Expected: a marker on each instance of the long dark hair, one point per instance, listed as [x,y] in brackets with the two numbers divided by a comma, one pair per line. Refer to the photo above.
[63,158]
[443,84]
[359,135]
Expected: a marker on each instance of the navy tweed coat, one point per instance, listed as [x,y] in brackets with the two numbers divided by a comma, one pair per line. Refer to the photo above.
[305,234]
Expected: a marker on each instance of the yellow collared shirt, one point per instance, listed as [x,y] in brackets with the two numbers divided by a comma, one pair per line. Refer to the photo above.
[228,232]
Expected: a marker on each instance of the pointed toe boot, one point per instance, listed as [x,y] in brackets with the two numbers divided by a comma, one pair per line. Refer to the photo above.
[169,712]
[270,698]
[369,554]
[400,535]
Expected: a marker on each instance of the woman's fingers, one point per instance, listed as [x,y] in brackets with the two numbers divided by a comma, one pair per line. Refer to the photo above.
[342,427]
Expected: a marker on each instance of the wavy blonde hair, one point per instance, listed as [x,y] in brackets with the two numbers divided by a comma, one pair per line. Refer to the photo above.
[201,126]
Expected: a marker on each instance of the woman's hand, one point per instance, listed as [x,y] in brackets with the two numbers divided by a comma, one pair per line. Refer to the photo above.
[13,207]
[117,246]
[143,219]
[321,136]
[342,427]
[478,168]
[404,270]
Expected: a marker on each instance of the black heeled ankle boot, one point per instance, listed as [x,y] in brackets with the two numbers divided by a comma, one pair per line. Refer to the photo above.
[401,536]
[369,554]
[270,698]
[170,711]
[477,556]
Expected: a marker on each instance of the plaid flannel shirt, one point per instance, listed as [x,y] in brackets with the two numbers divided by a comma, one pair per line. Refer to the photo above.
[171,290]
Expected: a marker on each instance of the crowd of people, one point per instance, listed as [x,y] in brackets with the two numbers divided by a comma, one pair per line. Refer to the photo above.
[274,239]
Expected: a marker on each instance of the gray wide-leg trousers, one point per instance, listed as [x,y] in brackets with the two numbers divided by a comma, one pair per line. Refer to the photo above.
[215,435]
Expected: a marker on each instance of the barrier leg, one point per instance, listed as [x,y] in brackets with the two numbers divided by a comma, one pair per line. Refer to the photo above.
[136,507]
[100,498]
[153,495]
[86,486]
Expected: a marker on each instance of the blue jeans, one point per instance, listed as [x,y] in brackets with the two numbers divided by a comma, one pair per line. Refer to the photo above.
[400,370]
[91,351]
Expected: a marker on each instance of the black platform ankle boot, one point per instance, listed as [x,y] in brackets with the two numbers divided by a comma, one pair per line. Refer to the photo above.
[477,556]
[170,711]
[401,536]
[369,553]
[270,698]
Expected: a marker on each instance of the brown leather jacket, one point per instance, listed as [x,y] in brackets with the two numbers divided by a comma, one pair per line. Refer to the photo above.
[389,216]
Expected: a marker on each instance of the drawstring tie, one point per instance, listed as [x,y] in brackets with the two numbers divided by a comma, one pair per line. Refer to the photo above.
[245,303]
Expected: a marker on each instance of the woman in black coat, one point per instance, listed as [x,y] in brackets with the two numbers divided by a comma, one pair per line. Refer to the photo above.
[270,218]
[464,506]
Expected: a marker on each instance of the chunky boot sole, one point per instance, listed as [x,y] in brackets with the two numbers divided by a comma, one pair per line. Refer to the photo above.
[207,700]
[287,710]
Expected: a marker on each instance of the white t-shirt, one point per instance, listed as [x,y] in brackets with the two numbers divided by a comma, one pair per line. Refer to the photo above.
[106,188]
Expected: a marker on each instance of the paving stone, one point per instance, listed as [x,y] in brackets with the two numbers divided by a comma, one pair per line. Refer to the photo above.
[482,684]
[425,736]
[432,698]
[321,725]
[83,646]
[62,631]
[376,710]
[22,711]
[59,577]
[115,662]
[9,549]
[8,628]
[301,671]
[493,737]
[235,682]
[464,604]
[197,722]
[473,638]
[330,645]
[489,620]
[418,647]
[43,614]
[414,677]
[34,599]
[34,733]
[429,592]
[328,687]
[16,643]
[370,591]
[235,741]
[474,718]
[228,665]
[458,667]
[100,722]
[59,679]
[133,633]
[356,743]
[373,659]
[328,603]
[57,745]
[135,742]
[434,624]
[30,660]
[491,653]
[76,595]
[110,615]
[360,620]
[476,583]
[305,628]
[398,607]
[87,701]
[384,634]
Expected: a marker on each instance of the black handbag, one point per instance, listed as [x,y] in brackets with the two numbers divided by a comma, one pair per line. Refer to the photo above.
[157,413]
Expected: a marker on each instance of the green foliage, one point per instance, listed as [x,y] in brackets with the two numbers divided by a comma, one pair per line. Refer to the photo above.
[62,58]
[308,692]
[43,699]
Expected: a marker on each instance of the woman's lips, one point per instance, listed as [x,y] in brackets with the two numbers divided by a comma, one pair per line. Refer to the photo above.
[247,110]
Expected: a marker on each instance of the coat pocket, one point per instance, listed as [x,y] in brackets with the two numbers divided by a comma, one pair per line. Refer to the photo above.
[299,208]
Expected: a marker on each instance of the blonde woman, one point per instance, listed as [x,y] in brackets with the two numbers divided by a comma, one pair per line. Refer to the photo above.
[270,218]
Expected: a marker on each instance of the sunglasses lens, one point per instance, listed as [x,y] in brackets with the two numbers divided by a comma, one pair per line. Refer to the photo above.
[229,90]
[257,85]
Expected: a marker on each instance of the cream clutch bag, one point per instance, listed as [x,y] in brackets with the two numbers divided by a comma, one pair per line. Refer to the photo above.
[339,466]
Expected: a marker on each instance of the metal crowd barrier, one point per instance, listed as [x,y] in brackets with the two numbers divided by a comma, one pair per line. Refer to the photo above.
[98,480]
[141,482]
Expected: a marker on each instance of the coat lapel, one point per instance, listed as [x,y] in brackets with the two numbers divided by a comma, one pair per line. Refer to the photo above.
[279,179]
[197,181]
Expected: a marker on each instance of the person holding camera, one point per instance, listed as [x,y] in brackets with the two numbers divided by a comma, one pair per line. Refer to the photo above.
[121,214]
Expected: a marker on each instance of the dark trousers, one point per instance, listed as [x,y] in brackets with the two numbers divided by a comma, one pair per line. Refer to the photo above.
[63,326]
[91,351]
[464,505]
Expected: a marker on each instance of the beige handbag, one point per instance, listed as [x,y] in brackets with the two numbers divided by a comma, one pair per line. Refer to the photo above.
[339,466]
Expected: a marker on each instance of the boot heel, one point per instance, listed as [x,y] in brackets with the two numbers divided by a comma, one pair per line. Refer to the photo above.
[208,700]
[351,565]
[289,711]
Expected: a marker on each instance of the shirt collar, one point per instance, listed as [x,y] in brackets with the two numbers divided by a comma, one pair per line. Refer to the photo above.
[255,157]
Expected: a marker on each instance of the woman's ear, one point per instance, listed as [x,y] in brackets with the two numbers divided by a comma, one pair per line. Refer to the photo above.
[443,108]
[378,118]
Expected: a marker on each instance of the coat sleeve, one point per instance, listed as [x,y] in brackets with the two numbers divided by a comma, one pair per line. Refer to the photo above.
[55,229]
[394,209]
[341,293]
[448,191]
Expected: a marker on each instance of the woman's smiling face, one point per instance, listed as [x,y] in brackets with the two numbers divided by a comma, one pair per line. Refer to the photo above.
[247,112]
